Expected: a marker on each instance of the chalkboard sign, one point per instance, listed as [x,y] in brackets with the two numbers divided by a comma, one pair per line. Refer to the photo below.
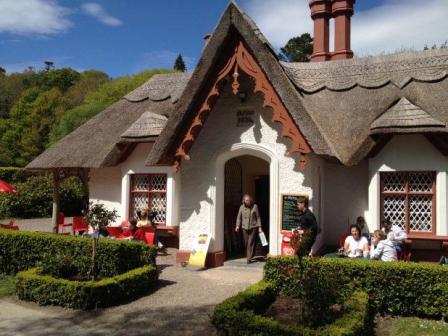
[289,213]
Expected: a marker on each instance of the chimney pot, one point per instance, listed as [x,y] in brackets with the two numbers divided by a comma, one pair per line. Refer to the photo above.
[342,11]
[320,13]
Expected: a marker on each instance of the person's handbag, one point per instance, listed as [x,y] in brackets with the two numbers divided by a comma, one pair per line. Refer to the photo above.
[264,241]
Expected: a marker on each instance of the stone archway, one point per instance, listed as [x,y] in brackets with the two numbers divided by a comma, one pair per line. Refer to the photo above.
[218,188]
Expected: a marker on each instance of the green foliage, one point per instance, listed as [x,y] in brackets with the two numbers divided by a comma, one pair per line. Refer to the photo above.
[62,266]
[34,196]
[21,250]
[15,175]
[96,101]
[179,64]
[98,215]
[47,290]
[240,315]
[299,48]
[37,108]
[7,285]
[398,288]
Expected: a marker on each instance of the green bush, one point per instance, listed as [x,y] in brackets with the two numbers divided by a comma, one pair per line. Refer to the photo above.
[47,290]
[34,198]
[62,266]
[16,175]
[21,250]
[399,288]
[239,315]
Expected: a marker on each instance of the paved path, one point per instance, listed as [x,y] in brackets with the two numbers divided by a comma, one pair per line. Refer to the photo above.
[181,306]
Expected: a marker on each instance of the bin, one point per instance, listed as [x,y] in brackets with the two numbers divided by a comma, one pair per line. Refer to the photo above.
[287,250]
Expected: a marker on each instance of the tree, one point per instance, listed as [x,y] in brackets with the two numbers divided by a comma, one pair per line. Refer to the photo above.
[299,48]
[49,65]
[179,64]
[2,71]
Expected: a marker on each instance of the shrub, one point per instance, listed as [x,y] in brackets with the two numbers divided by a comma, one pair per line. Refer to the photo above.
[400,288]
[47,290]
[20,250]
[61,266]
[34,198]
[238,315]
[16,175]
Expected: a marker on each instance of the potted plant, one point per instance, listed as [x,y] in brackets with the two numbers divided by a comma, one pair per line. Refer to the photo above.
[98,217]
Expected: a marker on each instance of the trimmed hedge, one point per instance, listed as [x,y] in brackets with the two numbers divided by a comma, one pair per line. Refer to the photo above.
[239,315]
[21,250]
[398,288]
[47,290]
[16,174]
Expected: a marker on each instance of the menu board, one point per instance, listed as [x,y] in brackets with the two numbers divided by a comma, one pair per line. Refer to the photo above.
[289,212]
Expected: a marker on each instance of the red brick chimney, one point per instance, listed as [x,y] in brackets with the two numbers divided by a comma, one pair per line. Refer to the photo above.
[342,11]
[320,13]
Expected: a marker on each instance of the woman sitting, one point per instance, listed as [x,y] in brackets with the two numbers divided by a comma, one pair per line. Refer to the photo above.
[133,232]
[382,248]
[144,218]
[355,245]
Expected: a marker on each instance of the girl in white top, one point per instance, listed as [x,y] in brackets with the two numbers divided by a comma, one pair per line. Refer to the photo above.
[382,248]
[355,245]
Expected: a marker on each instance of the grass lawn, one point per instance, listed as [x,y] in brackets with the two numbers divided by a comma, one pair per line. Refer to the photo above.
[7,285]
[410,326]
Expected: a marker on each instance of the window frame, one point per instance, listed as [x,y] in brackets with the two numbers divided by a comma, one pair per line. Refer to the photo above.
[149,192]
[407,193]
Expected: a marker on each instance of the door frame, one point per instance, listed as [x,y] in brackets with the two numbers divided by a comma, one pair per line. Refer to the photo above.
[216,192]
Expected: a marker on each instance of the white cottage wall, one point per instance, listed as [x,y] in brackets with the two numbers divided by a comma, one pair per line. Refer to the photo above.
[345,198]
[105,187]
[221,131]
[410,153]
[111,186]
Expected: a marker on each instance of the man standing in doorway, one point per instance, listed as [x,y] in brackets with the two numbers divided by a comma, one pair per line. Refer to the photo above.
[307,226]
[248,219]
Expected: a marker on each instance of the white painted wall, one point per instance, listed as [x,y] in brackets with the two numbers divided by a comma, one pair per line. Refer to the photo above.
[111,186]
[409,153]
[105,187]
[220,137]
[345,198]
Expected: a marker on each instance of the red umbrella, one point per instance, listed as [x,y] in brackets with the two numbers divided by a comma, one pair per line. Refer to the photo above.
[6,188]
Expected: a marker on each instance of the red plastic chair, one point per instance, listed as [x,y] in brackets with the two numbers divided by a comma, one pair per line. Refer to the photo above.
[150,236]
[115,231]
[61,223]
[124,224]
[9,226]
[79,225]
[342,239]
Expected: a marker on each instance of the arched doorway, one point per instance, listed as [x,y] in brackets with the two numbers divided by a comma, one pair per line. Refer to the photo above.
[217,191]
[245,174]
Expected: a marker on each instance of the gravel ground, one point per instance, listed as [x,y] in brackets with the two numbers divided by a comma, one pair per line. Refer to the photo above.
[37,224]
[181,306]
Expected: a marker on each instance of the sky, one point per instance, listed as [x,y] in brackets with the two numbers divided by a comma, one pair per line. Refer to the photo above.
[122,37]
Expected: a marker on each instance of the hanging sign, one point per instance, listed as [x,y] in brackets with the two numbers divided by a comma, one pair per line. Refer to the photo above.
[199,251]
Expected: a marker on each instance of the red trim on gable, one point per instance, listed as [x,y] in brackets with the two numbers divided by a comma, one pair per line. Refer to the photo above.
[242,59]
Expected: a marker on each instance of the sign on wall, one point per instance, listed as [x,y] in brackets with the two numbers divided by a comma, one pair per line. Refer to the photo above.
[199,251]
[244,117]
[289,212]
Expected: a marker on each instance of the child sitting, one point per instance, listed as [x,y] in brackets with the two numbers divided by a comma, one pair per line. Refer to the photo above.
[382,248]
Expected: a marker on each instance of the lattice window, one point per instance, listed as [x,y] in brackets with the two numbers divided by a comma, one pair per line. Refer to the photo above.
[149,191]
[408,200]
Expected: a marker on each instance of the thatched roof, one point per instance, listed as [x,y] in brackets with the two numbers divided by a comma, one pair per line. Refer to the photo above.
[345,109]
[98,143]
[149,125]
[405,116]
